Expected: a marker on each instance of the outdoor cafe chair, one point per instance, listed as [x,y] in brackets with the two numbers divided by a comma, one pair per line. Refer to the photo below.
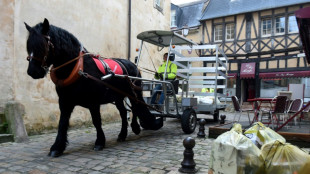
[278,110]
[304,112]
[265,109]
[239,109]
[295,106]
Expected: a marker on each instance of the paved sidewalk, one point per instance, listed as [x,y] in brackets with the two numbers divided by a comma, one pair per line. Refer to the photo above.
[154,152]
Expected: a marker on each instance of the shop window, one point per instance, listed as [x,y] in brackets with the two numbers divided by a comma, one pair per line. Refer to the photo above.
[230,31]
[231,83]
[231,87]
[306,81]
[266,27]
[280,25]
[292,24]
[218,33]
[270,87]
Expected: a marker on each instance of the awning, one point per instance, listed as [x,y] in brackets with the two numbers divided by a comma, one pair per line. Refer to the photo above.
[303,21]
[232,75]
[247,70]
[291,74]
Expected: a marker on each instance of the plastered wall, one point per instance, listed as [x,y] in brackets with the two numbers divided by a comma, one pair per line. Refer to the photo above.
[101,26]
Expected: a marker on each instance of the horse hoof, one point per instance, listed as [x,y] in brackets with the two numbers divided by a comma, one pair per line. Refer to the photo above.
[55,153]
[98,148]
[136,130]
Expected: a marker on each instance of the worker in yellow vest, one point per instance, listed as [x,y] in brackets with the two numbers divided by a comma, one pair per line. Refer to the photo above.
[170,75]
[211,90]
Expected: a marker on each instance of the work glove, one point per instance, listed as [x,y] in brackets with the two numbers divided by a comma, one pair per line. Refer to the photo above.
[156,75]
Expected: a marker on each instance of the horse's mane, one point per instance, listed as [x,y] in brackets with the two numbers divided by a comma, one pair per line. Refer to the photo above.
[61,39]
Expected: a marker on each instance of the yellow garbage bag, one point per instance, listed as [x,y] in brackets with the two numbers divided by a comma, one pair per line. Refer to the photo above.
[305,169]
[234,153]
[283,158]
[259,134]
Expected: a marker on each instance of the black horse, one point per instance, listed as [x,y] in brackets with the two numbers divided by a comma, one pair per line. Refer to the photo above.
[76,77]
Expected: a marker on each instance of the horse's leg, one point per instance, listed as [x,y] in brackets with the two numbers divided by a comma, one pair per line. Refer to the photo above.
[61,141]
[123,112]
[134,123]
[96,117]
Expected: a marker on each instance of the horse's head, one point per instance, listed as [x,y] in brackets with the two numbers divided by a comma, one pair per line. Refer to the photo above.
[38,46]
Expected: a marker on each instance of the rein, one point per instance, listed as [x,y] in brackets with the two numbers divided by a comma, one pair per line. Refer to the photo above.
[70,61]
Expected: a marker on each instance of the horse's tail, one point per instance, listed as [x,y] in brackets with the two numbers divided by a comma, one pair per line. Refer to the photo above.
[146,118]
[140,109]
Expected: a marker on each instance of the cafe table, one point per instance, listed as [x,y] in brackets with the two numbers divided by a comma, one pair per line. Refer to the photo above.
[257,106]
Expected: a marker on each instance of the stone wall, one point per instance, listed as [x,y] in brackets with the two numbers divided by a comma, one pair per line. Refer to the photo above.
[101,26]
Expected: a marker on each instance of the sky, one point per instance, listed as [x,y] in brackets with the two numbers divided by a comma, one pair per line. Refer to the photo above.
[178,2]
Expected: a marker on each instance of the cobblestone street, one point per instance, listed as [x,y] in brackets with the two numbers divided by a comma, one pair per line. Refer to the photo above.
[154,152]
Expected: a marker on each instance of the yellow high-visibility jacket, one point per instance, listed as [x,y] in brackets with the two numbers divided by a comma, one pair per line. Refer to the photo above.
[211,90]
[171,70]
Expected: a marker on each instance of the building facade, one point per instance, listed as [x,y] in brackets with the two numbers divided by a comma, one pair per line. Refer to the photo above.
[105,27]
[262,42]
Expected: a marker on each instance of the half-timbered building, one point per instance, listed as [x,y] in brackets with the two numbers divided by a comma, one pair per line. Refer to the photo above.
[261,40]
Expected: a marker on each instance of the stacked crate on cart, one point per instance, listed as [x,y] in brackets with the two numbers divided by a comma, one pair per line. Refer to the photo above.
[203,72]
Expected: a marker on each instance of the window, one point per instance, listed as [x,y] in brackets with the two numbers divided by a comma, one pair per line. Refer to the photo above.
[292,24]
[270,87]
[230,31]
[280,25]
[266,27]
[231,87]
[159,5]
[173,19]
[218,33]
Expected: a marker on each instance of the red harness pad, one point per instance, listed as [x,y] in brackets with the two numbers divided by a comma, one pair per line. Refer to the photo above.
[114,66]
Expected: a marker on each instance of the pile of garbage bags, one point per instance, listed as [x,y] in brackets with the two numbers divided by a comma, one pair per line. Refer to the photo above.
[260,150]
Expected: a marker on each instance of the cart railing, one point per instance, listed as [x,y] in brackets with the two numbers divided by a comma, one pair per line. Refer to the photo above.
[212,74]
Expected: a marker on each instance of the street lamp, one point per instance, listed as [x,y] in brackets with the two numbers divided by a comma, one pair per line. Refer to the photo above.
[185,30]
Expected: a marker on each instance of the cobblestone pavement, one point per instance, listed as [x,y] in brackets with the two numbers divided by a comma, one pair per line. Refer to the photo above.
[154,152]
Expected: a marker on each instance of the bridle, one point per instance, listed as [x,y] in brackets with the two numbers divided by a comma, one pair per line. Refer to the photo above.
[44,60]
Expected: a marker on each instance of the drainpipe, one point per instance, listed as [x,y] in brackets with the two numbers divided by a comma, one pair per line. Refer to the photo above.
[129,29]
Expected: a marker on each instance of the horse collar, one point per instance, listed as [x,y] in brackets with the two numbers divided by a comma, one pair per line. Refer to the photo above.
[74,75]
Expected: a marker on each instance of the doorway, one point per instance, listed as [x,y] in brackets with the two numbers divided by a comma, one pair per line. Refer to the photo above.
[247,89]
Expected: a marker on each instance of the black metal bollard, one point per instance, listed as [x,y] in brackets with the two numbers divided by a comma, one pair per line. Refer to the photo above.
[188,163]
[201,133]
[222,119]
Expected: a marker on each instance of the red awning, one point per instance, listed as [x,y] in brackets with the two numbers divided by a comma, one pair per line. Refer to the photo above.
[247,70]
[291,74]
[232,75]
[303,21]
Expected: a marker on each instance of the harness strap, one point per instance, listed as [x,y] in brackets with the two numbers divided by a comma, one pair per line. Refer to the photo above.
[122,65]
[74,75]
[80,55]
[86,75]
[105,65]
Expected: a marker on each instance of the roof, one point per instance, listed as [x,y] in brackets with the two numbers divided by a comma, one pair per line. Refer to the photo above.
[162,38]
[220,8]
[188,14]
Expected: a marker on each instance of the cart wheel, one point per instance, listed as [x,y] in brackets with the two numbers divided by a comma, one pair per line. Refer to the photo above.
[188,121]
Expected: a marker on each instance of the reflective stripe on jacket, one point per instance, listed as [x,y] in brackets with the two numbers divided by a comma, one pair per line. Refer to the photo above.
[171,70]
